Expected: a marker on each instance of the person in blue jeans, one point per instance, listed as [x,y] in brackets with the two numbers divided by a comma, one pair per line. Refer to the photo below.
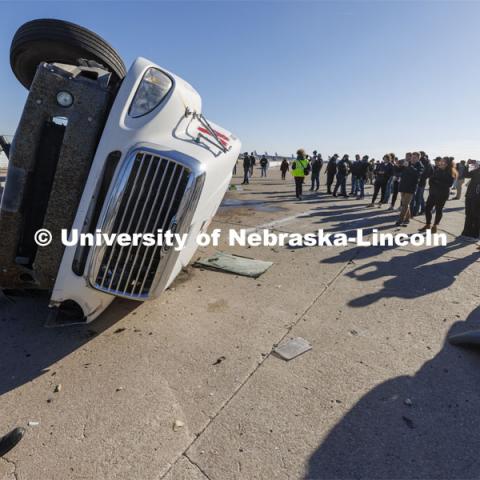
[361,177]
[264,165]
[342,173]
[353,171]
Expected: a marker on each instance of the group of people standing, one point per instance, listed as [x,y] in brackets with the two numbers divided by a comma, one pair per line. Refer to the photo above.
[249,162]
[407,177]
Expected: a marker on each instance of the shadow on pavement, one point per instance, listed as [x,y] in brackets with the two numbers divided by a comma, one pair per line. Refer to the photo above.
[28,349]
[435,437]
[400,269]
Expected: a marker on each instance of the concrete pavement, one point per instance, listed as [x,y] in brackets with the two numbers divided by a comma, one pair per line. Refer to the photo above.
[380,395]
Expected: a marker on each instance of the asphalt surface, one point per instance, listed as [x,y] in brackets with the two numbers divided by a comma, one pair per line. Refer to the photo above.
[187,387]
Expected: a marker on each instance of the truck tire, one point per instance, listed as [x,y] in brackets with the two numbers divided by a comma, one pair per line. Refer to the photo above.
[50,40]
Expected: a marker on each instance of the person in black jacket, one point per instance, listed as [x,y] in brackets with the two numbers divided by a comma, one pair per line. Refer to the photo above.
[253,161]
[354,171]
[398,168]
[407,187]
[331,171]
[472,202]
[440,182]
[246,168]
[342,173]
[361,169]
[264,165]
[383,171]
[315,167]
[284,167]
[418,201]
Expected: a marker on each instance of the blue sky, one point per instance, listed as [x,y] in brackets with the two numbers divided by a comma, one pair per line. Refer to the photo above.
[366,77]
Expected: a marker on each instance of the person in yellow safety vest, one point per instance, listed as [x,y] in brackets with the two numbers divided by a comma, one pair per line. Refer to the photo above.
[298,171]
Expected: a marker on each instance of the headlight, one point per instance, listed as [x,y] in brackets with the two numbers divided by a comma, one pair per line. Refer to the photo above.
[153,88]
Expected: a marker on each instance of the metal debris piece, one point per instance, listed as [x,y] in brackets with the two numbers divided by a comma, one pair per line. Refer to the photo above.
[293,348]
[33,424]
[408,402]
[248,267]
[219,360]
[178,425]
[58,388]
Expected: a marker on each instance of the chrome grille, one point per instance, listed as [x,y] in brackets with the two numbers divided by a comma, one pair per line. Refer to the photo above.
[150,192]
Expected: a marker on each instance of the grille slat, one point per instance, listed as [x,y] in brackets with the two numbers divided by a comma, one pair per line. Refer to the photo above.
[158,223]
[167,218]
[130,229]
[139,227]
[150,199]
[130,211]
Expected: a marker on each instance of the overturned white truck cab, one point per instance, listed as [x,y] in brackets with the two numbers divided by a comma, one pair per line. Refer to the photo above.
[99,149]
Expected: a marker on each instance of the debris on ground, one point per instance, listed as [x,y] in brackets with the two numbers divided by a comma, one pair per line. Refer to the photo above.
[33,424]
[8,441]
[58,388]
[248,267]
[293,348]
[219,360]
[408,422]
[178,425]
[119,330]
[408,402]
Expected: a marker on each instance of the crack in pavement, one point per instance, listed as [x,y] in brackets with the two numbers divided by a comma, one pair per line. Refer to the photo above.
[11,462]
[250,375]
[194,464]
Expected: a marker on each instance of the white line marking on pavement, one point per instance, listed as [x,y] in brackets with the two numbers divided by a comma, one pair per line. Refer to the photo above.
[280,221]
